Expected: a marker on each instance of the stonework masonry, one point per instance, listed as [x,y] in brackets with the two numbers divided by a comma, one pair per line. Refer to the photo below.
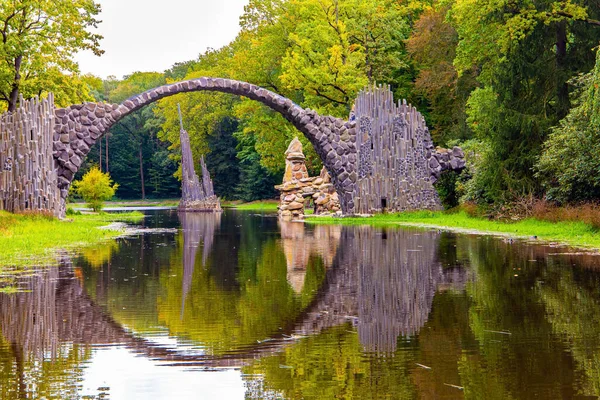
[28,180]
[396,161]
[298,188]
[380,159]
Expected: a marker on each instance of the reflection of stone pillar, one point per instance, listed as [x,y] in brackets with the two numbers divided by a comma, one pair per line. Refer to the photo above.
[399,276]
[197,228]
[386,280]
[326,240]
[296,253]
[299,244]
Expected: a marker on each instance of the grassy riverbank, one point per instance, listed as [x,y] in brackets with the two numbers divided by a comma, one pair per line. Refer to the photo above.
[34,239]
[574,233]
[260,205]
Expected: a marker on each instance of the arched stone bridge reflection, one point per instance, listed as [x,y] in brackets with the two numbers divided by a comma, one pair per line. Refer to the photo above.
[382,281]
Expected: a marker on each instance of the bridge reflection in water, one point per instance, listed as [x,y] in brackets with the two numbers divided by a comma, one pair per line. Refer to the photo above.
[382,281]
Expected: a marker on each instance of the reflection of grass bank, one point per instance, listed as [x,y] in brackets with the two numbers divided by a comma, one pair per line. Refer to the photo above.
[132,203]
[34,239]
[573,233]
[260,205]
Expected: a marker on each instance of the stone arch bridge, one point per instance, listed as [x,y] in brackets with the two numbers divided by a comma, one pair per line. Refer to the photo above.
[384,152]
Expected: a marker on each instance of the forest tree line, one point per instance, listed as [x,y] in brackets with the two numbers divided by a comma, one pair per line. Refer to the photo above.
[514,82]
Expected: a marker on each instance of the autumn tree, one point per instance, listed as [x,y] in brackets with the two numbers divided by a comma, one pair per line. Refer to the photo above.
[39,39]
[432,45]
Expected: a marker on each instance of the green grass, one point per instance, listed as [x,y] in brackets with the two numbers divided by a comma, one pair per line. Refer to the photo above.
[28,240]
[573,233]
[262,205]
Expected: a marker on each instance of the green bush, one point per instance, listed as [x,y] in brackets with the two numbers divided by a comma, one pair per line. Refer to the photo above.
[95,187]
[70,211]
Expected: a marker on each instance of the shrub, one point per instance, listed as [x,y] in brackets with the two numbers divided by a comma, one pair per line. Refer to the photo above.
[71,211]
[95,187]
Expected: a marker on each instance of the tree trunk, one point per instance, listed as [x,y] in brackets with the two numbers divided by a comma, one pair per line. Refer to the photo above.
[100,155]
[106,136]
[142,172]
[562,90]
[368,60]
[13,98]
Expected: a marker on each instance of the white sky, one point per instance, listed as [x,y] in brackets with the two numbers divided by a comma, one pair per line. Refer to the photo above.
[152,35]
[131,377]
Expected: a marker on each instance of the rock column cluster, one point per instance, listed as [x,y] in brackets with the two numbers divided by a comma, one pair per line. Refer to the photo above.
[195,195]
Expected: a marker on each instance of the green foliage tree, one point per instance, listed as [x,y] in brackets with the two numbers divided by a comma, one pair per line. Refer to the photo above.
[95,187]
[525,53]
[38,39]
[569,166]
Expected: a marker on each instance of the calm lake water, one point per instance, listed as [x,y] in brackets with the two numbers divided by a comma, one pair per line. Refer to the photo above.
[242,306]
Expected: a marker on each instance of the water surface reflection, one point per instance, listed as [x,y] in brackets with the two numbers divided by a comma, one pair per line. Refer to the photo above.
[257,308]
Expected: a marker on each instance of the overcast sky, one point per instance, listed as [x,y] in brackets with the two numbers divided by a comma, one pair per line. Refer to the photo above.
[152,35]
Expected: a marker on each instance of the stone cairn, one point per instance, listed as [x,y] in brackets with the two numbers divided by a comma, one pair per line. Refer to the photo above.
[298,187]
[195,195]
[28,178]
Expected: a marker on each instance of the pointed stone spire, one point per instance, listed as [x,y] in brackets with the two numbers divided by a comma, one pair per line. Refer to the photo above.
[295,166]
[195,195]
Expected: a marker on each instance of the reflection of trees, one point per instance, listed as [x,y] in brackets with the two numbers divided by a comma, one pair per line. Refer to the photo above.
[241,294]
[99,255]
[531,361]
[331,366]
[571,297]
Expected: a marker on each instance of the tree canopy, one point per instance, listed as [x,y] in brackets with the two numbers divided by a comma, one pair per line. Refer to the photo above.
[499,78]
[38,41]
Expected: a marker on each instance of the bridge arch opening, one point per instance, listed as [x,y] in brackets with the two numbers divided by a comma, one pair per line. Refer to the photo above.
[78,127]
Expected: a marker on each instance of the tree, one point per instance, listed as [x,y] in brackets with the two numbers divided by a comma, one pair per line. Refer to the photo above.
[569,165]
[432,45]
[38,41]
[520,51]
[95,187]
[143,123]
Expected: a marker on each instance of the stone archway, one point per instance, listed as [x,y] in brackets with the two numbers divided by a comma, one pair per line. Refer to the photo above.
[79,126]
[382,159]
